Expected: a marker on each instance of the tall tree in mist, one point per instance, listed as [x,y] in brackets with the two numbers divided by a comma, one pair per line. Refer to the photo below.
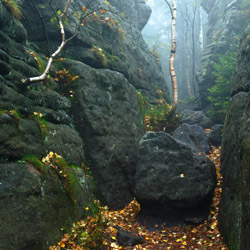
[173,11]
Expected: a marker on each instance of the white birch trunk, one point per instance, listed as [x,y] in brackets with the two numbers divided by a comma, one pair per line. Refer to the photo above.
[172,56]
[201,32]
[187,55]
[44,75]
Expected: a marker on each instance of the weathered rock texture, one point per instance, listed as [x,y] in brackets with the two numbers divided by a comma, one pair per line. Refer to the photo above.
[195,117]
[94,120]
[227,21]
[34,206]
[194,136]
[215,136]
[234,215]
[171,182]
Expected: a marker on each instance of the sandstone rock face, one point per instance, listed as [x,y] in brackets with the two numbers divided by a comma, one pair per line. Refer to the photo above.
[34,207]
[136,11]
[122,46]
[106,113]
[194,136]
[234,213]
[223,36]
[215,136]
[95,119]
[171,182]
[195,117]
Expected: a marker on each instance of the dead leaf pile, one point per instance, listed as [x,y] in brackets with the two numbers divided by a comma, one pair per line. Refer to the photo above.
[203,236]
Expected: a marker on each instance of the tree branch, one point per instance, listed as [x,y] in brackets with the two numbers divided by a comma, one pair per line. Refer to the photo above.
[169,6]
[43,24]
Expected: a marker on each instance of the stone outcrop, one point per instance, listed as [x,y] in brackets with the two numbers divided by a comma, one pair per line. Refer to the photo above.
[172,183]
[195,117]
[35,206]
[94,119]
[226,23]
[234,213]
[107,116]
[194,136]
[215,136]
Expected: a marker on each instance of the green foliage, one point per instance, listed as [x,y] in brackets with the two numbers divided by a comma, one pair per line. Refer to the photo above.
[36,162]
[40,63]
[157,117]
[65,80]
[64,171]
[13,7]
[13,113]
[220,92]
[231,243]
[87,233]
[187,100]
[100,55]
[43,124]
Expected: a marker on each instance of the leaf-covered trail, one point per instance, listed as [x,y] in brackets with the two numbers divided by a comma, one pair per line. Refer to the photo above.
[204,236]
[88,234]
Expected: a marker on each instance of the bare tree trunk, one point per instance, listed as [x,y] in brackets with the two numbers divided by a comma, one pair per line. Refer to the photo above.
[172,55]
[201,32]
[187,54]
[193,49]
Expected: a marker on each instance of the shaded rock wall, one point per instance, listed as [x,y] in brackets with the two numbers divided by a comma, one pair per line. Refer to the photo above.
[226,23]
[96,120]
[34,207]
[234,216]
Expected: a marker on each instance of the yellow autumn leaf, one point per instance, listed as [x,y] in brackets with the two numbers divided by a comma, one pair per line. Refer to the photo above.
[84,8]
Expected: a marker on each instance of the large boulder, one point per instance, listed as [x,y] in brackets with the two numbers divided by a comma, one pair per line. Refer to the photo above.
[171,182]
[34,205]
[234,214]
[107,116]
[215,136]
[195,117]
[194,136]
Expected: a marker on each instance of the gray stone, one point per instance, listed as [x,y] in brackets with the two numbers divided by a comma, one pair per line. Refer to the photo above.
[194,136]
[65,141]
[144,13]
[195,117]
[222,38]
[34,206]
[215,136]
[170,181]
[19,137]
[4,68]
[234,214]
[123,47]
[125,238]
[106,113]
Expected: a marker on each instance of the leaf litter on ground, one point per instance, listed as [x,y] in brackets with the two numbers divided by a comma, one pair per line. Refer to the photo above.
[196,237]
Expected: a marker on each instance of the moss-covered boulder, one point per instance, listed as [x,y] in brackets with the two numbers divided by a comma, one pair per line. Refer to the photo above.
[34,206]
[234,215]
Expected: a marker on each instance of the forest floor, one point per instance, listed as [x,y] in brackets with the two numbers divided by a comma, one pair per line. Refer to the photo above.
[203,236]
[199,237]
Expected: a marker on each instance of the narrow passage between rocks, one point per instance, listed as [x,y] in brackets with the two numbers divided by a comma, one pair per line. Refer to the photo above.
[203,236]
